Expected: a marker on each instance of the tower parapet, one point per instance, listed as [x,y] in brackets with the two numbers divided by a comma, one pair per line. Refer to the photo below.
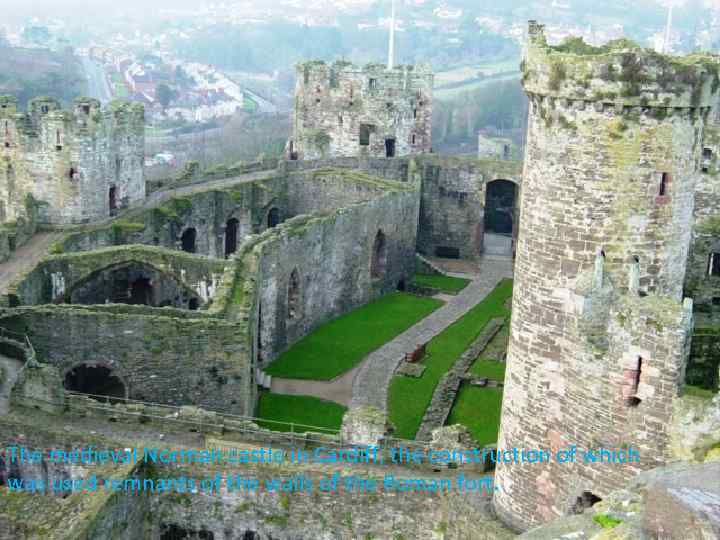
[347,110]
[619,74]
[599,329]
[84,162]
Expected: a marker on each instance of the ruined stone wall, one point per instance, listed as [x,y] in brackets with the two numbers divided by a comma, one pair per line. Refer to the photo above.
[330,256]
[58,277]
[208,212]
[701,283]
[601,230]
[453,201]
[384,515]
[159,356]
[332,102]
[70,160]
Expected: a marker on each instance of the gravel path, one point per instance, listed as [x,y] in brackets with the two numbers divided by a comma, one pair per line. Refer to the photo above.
[25,258]
[368,382]
[371,384]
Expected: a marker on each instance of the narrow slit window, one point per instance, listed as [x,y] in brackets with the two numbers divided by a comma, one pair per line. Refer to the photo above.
[665,179]
[714,264]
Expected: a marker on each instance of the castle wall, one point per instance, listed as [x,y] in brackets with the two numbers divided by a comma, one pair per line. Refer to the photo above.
[453,202]
[330,259]
[71,160]
[333,102]
[603,128]
[59,278]
[160,355]
[701,283]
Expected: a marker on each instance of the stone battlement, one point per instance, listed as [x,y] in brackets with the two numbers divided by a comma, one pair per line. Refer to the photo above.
[620,74]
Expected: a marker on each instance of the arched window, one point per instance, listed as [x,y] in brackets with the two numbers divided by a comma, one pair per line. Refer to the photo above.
[231,236]
[273,218]
[379,256]
[188,240]
[293,303]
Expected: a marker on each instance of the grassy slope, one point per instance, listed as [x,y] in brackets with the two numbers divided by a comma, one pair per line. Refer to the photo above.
[342,343]
[306,410]
[410,397]
[444,283]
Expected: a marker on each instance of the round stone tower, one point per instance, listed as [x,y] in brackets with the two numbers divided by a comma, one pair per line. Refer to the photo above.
[600,332]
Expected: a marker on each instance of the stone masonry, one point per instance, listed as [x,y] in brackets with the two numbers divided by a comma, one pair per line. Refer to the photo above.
[346,110]
[600,332]
[83,164]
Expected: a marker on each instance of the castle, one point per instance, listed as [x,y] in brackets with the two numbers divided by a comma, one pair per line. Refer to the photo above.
[600,329]
[371,111]
[192,294]
[84,164]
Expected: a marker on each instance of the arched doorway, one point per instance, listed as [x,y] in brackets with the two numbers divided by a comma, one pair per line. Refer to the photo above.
[95,380]
[499,222]
[231,236]
[188,240]
[379,256]
[273,219]
[141,292]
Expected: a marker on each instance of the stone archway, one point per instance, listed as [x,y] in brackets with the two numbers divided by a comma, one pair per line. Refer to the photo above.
[134,283]
[95,379]
[499,226]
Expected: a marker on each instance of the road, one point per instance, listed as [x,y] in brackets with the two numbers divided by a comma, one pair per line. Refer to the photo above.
[98,87]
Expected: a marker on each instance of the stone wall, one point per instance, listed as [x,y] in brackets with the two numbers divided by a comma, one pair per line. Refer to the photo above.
[207,212]
[453,201]
[599,332]
[345,110]
[314,269]
[158,356]
[80,162]
[59,277]
[701,282]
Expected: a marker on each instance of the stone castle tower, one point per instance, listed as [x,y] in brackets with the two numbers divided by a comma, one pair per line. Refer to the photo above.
[82,164]
[373,111]
[600,331]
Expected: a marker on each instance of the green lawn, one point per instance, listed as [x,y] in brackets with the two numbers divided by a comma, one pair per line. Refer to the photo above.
[410,397]
[696,391]
[478,409]
[489,369]
[303,410]
[342,343]
[443,283]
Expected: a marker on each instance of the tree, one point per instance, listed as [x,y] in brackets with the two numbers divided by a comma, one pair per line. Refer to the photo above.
[165,95]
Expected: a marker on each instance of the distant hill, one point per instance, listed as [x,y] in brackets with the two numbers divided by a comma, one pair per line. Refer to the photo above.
[26,73]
